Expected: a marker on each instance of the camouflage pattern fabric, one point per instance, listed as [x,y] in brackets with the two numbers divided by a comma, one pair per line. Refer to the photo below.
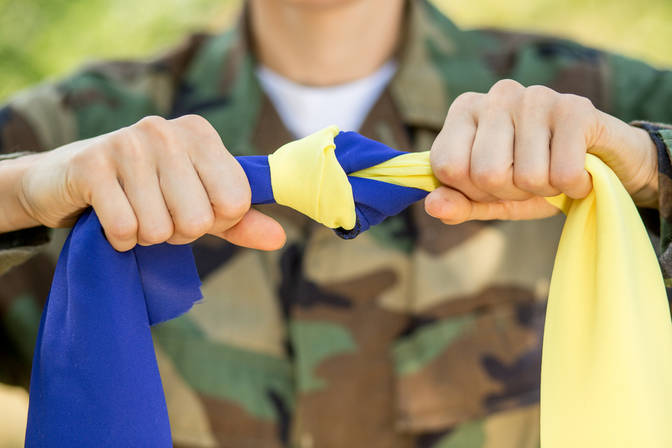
[415,334]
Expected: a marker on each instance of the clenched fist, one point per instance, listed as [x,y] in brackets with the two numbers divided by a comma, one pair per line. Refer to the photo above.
[155,181]
[499,154]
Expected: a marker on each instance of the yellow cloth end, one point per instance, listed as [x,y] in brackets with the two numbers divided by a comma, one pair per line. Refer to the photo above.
[408,170]
[306,176]
[606,378]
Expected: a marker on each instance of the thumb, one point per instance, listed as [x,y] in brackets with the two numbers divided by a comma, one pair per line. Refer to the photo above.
[256,231]
[453,207]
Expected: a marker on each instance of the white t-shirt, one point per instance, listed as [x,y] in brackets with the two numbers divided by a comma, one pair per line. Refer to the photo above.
[305,109]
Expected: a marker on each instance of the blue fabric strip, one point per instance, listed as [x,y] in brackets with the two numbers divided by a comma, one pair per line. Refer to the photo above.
[95,381]
[259,176]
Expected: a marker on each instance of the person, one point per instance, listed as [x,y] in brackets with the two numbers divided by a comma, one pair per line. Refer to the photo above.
[422,332]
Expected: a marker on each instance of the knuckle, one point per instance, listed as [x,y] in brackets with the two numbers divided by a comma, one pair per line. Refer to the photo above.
[565,178]
[195,123]
[151,123]
[580,101]
[531,182]
[505,87]
[537,96]
[488,178]
[539,91]
[127,144]
[123,228]
[196,225]
[464,100]
[155,234]
[504,94]
[449,173]
[234,207]
[156,128]
[575,105]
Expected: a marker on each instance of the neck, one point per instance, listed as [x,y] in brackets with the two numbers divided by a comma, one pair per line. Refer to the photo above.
[329,43]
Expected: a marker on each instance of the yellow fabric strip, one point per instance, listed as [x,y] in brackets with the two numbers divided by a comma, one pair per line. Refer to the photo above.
[606,378]
[607,358]
[408,170]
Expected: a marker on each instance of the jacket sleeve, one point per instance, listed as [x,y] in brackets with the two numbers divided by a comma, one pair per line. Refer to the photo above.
[99,99]
[660,223]
[30,122]
[40,119]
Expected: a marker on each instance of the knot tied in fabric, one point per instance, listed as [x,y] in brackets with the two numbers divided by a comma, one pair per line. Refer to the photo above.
[342,180]
[306,176]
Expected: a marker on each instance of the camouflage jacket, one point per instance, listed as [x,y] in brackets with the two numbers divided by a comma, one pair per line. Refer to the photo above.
[415,334]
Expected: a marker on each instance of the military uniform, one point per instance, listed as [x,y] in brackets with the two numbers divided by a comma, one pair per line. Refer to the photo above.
[415,334]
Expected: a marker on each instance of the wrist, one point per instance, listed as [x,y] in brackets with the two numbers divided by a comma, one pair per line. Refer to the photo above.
[646,193]
[660,135]
[14,214]
[633,156]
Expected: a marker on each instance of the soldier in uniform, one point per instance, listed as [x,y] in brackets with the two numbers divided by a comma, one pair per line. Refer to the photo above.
[422,332]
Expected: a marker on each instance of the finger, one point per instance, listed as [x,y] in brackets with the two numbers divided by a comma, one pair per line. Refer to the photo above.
[257,231]
[568,154]
[140,182]
[492,156]
[492,152]
[568,158]
[451,152]
[446,203]
[115,214]
[532,147]
[452,207]
[185,198]
[226,184]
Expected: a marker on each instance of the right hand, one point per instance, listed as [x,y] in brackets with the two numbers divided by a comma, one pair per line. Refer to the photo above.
[155,181]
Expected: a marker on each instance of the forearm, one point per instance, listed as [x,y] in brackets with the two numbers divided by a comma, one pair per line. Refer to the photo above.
[13,214]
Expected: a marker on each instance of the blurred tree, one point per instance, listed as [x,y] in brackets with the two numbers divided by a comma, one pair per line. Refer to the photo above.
[47,38]
[639,29]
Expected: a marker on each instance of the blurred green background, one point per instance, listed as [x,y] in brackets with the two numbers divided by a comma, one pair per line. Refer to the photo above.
[47,38]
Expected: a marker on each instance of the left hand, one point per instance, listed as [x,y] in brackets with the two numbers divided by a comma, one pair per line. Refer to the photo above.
[499,154]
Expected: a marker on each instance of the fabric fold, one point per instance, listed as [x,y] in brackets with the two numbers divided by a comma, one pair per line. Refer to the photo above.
[606,377]
[95,381]
[306,176]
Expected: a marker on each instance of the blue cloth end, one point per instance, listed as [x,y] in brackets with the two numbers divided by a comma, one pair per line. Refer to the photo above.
[95,381]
